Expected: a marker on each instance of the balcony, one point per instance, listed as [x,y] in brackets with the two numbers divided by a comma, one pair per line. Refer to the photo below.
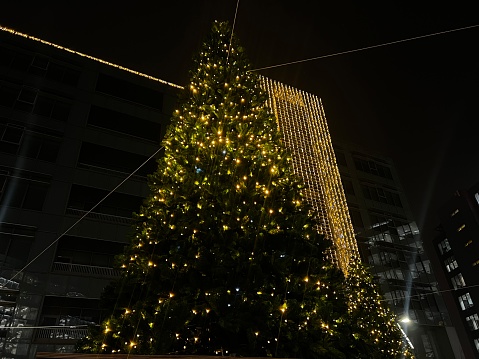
[86,269]
[65,335]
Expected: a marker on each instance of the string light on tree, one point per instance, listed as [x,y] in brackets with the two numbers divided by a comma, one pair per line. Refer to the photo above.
[226,253]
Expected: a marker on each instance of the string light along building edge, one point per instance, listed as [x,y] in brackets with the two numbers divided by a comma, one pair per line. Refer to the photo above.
[302,120]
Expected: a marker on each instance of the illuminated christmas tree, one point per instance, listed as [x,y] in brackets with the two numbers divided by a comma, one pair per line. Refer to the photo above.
[225,257]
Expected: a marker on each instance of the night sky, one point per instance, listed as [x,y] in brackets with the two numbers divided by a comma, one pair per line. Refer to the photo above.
[414,101]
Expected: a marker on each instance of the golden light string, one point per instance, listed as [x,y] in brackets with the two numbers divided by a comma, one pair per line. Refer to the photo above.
[18,33]
[364,48]
[129,303]
[86,214]
[148,290]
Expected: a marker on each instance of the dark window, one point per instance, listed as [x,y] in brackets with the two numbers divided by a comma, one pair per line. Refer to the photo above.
[28,95]
[6,57]
[381,195]
[62,74]
[356,218]
[8,95]
[44,106]
[87,251]
[341,158]
[38,143]
[21,62]
[112,159]
[70,311]
[121,122]
[26,190]
[3,182]
[372,167]
[12,134]
[348,187]
[26,99]
[116,204]
[129,91]
[39,65]
[51,107]
[61,111]
[15,243]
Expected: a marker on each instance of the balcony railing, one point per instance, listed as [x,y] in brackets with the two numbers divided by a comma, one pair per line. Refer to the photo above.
[86,269]
[59,334]
[99,216]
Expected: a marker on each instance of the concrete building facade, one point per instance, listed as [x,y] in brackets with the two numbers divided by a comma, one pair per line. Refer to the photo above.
[457,250]
[390,243]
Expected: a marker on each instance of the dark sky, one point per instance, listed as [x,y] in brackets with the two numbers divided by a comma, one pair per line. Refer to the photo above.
[414,101]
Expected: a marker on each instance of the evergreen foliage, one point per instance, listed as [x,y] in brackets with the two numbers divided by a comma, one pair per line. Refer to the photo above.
[225,258]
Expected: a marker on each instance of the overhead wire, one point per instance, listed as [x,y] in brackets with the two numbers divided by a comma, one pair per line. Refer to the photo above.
[432,292]
[364,48]
[232,30]
[85,214]
[257,69]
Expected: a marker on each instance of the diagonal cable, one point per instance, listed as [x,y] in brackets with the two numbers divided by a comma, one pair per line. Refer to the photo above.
[86,214]
[364,48]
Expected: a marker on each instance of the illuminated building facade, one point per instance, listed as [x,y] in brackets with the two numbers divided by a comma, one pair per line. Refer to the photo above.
[302,120]
[457,249]
[390,243]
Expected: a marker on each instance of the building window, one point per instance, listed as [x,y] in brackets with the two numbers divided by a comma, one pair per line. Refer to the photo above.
[103,158]
[124,123]
[48,106]
[444,246]
[340,158]
[458,281]
[356,218]
[15,243]
[372,167]
[473,321]
[461,227]
[450,264]
[465,301]
[468,243]
[3,182]
[128,91]
[379,194]
[12,134]
[87,251]
[33,142]
[116,204]
[26,189]
[348,186]
[476,196]
[34,101]
[39,65]
[454,213]
[73,309]
[476,343]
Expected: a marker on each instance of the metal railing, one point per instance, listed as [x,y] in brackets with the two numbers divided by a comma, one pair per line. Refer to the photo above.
[86,269]
[60,333]
[99,216]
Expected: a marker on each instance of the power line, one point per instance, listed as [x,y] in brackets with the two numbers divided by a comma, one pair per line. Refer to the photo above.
[434,292]
[85,214]
[364,48]
[232,30]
